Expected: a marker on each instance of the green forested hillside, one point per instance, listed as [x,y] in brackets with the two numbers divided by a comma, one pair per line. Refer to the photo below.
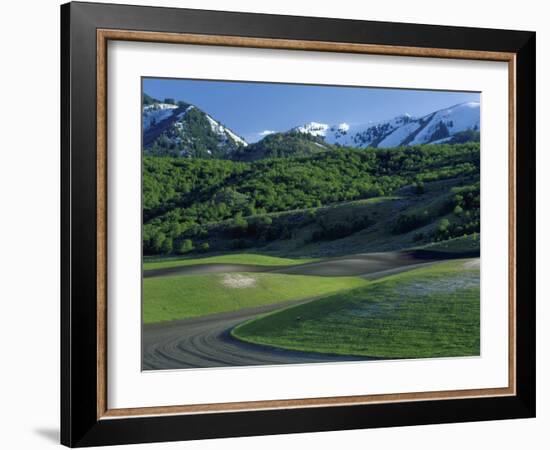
[280,145]
[202,205]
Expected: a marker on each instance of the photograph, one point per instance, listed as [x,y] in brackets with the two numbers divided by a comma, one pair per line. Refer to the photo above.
[300,223]
[282,224]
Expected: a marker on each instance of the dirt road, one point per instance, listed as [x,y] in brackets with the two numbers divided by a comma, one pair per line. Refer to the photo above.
[206,342]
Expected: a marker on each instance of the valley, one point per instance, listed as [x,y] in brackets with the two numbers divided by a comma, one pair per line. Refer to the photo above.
[319,243]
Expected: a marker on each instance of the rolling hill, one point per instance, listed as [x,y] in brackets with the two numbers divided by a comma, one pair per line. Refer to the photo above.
[344,200]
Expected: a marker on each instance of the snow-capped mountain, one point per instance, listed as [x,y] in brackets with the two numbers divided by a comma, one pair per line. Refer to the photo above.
[156,113]
[437,127]
[182,129]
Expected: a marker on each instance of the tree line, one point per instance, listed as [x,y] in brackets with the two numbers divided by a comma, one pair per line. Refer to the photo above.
[183,197]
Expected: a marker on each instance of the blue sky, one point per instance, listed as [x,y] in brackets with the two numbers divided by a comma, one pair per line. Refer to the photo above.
[252,108]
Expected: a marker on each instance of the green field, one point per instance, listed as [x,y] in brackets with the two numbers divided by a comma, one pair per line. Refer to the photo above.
[181,297]
[463,244]
[427,312]
[238,258]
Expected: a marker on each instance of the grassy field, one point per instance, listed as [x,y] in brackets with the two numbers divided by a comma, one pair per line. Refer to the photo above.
[180,297]
[427,312]
[464,244]
[377,237]
[238,258]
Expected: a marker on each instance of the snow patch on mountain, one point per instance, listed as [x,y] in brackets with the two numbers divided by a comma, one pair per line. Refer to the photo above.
[398,136]
[343,128]
[449,121]
[402,130]
[354,135]
[236,138]
[155,113]
[180,115]
[224,132]
[313,128]
[442,141]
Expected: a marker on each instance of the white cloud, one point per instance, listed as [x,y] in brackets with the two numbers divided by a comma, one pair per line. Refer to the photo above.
[266,132]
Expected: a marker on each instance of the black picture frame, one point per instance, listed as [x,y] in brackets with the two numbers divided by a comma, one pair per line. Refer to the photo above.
[80,425]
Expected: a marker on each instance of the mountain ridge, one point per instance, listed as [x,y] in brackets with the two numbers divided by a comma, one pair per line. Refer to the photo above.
[400,130]
[181,129]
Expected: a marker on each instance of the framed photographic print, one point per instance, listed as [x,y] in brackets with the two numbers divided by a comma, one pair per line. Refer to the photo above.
[276,224]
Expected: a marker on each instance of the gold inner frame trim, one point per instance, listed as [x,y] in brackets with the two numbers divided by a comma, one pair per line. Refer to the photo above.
[103,36]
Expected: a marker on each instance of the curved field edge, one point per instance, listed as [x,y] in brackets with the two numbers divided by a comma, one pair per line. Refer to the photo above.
[183,297]
[241,258]
[457,246]
[426,312]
